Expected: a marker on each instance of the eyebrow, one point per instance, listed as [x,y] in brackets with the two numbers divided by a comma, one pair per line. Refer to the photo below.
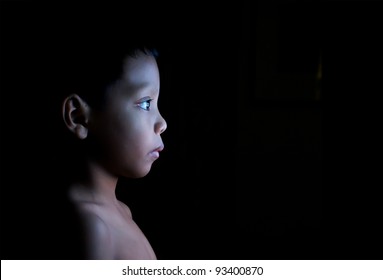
[144,86]
[137,89]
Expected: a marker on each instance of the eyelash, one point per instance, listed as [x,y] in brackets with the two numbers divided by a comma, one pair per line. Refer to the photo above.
[143,107]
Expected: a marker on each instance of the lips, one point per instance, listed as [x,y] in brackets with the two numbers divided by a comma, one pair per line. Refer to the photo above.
[159,148]
[156,152]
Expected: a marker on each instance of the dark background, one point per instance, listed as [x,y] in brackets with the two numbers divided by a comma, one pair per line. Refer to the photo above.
[241,173]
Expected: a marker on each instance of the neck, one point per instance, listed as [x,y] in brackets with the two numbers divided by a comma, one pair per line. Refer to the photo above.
[95,184]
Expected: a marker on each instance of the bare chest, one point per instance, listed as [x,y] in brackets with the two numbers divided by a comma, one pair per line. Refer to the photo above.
[130,242]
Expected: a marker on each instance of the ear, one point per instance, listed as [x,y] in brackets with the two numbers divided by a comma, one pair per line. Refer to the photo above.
[75,113]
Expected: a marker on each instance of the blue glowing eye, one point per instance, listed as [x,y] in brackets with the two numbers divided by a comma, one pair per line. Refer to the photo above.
[145,105]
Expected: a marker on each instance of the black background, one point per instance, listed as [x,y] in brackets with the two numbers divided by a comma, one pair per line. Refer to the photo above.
[241,173]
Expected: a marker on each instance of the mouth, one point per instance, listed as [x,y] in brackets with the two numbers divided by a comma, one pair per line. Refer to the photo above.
[156,152]
[159,148]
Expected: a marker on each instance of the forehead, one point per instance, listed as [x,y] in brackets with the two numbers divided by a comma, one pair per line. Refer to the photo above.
[141,70]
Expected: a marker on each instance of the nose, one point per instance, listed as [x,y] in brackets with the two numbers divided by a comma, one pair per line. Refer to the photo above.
[161,125]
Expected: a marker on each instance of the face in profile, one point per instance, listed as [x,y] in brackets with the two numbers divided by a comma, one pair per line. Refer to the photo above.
[125,135]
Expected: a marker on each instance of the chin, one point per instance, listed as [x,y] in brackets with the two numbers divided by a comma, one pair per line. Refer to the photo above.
[136,174]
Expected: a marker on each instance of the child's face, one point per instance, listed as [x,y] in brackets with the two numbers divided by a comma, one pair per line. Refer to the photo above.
[127,131]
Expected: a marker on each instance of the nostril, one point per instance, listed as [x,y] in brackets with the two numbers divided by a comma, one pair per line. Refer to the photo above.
[163,128]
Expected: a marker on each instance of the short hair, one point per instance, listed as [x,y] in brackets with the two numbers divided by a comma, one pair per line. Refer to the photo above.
[91,43]
[82,50]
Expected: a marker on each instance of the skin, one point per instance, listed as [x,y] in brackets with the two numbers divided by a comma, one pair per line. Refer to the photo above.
[121,139]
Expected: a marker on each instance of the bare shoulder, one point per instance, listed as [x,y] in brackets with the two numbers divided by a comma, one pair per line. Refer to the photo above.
[111,232]
[99,238]
[94,221]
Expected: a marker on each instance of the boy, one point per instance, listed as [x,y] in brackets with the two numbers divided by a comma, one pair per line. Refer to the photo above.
[123,138]
[109,86]
[88,90]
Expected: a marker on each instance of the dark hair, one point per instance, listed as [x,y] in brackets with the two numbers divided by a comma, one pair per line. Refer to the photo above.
[90,73]
[84,55]
[50,50]
[90,50]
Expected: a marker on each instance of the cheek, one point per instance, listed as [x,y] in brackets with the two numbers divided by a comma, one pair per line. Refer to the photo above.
[131,133]
[130,151]
[125,131]
[127,143]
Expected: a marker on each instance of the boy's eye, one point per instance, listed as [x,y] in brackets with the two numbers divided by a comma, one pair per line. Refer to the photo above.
[145,105]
